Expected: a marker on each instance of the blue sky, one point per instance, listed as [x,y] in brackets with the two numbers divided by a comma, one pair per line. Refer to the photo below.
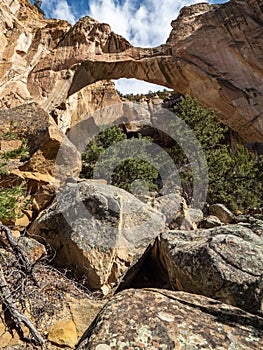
[144,23]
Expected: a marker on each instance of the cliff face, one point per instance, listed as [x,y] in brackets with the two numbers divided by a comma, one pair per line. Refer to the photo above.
[26,39]
[214,52]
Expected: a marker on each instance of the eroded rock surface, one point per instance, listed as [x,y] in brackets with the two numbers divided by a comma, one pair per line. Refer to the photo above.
[99,231]
[223,263]
[26,38]
[44,139]
[221,212]
[161,319]
[214,52]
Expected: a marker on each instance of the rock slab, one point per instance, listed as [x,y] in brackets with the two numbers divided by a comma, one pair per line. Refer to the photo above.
[224,263]
[161,319]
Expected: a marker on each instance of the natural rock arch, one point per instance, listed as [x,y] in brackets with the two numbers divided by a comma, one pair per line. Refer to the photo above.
[214,52]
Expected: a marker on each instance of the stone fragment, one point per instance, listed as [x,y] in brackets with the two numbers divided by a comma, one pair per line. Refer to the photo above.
[176,211]
[32,248]
[9,145]
[63,333]
[211,221]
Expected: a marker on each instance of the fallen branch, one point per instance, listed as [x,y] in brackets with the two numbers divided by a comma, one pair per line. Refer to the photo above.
[6,298]
[17,317]
[19,253]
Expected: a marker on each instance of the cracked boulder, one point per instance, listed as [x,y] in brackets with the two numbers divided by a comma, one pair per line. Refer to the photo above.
[98,231]
[162,319]
[224,263]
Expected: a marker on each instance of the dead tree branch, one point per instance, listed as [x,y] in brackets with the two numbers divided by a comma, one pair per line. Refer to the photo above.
[6,298]
[19,253]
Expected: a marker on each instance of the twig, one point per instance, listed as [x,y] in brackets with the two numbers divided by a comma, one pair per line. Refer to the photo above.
[6,296]
[19,253]
[17,317]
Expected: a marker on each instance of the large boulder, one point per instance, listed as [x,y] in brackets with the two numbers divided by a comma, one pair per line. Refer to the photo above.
[224,263]
[162,319]
[99,231]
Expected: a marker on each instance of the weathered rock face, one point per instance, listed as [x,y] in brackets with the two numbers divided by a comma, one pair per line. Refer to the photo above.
[214,52]
[25,39]
[223,263]
[161,319]
[99,231]
[222,213]
[44,139]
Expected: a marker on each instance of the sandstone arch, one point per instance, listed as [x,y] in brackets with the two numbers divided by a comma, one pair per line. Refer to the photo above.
[214,52]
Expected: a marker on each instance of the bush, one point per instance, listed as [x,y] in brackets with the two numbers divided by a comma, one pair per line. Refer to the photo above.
[235,178]
[123,172]
[12,201]
[20,152]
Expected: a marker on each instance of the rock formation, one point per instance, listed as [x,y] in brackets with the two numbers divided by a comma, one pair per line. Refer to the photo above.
[161,319]
[214,52]
[224,263]
[99,231]
[26,39]
[93,235]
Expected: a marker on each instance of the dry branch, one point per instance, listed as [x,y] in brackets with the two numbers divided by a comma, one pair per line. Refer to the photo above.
[6,299]
[19,253]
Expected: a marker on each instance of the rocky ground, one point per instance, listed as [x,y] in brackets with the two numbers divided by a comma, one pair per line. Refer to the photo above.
[100,267]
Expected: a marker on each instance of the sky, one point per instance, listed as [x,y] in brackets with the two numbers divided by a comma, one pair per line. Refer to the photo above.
[143,23]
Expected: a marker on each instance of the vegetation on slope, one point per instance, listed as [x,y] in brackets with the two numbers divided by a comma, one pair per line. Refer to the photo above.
[235,176]
[12,198]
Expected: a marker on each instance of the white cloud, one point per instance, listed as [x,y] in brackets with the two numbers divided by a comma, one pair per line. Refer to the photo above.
[127,86]
[59,9]
[146,25]
[62,10]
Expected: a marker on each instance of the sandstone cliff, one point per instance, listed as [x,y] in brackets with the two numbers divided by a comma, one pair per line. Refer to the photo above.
[214,52]
[26,39]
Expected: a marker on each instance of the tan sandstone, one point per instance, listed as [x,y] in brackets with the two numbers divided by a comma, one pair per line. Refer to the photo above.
[214,52]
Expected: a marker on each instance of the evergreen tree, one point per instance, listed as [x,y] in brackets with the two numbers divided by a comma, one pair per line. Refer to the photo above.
[124,172]
[235,178]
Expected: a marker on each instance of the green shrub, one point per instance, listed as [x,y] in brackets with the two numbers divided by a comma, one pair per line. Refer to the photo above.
[123,173]
[20,152]
[3,170]
[11,133]
[12,201]
[235,178]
